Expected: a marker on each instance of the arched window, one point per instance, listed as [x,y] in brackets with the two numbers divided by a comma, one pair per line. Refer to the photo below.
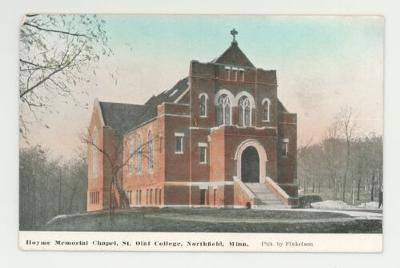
[150,146]
[131,156]
[223,110]
[94,153]
[266,103]
[140,156]
[203,105]
[244,111]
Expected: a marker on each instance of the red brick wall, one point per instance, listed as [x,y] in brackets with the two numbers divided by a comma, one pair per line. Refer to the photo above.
[228,195]
[110,142]
[199,171]
[287,166]
[176,195]
[216,196]
[148,176]
[149,179]
[217,155]
[176,165]
[95,183]
[173,108]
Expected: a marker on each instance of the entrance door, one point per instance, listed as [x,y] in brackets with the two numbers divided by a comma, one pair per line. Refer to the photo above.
[250,165]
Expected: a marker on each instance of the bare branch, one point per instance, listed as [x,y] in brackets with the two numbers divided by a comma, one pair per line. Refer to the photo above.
[55,31]
[50,75]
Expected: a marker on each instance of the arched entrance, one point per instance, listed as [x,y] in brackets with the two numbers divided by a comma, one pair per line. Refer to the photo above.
[251,161]
[250,165]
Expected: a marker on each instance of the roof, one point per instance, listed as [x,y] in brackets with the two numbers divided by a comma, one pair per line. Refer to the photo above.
[234,56]
[120,116]
[123,116]
[281,107]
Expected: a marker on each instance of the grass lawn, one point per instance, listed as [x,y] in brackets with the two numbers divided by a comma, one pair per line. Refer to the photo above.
[215,220]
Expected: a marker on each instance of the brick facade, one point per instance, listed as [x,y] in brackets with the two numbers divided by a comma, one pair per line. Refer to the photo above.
[175,152]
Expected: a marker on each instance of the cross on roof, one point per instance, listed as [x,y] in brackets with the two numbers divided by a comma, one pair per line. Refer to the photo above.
[234,33]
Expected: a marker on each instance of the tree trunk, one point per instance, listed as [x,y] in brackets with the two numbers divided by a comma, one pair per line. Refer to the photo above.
[335,188]
[372,185]
[123,199]
[346,170]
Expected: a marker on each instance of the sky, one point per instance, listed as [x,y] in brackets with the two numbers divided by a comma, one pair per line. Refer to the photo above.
[323,63]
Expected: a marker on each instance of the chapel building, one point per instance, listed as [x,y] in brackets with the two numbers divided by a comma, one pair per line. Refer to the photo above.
[219,138]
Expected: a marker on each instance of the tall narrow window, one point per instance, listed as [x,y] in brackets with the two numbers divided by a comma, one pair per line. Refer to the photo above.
[140,157]
[150,146]
[223,110]
[151,197]
[94,154]
[234,74]
[203,105]
[139,197]
[131,156]
[244,111]
[266,103]
[203,153]
[241,74]
[284,147]
[227,72]
[179,143]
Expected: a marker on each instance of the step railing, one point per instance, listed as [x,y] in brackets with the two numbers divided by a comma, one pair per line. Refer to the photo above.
[275,188]
[245,189]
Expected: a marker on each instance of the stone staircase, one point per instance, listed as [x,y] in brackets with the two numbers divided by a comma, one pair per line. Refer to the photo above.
[265,198]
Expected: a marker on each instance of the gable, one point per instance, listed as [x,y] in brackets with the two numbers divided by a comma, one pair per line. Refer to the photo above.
[234,56]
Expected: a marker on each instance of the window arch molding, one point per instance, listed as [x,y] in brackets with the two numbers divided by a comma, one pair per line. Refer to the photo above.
[224,110]
[203,97]
[246,94]
[266,114]
[226,92]
[245,112]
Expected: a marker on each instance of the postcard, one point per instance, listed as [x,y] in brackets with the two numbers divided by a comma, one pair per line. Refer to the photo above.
[201,133]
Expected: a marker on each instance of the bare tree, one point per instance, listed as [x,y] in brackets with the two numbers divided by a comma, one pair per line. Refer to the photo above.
[331,156]
[117,158]
[56,53]
[39,183]
[346,125]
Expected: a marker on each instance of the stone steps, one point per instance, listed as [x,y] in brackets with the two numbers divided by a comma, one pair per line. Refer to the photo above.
[265,199]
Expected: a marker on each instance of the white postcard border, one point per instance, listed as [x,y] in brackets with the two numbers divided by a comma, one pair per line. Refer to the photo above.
[200,242]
